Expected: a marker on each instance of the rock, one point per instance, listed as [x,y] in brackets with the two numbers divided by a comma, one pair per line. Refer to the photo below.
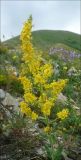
[40,151]
[34,130]
[8,114]
[2,94]
[9,100]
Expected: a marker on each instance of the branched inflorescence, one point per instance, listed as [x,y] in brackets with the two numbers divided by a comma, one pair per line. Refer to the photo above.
[40,92]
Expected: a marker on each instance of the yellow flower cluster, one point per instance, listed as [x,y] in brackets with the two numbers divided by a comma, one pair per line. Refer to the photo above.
[47,70]
[63,114]
[30,56]
[27,111]
[29,97]
[34,116]
[39,79]
[46,108]
[27,85]
[47,129]
[55,88]
[34,66]
[26,37]
[59,85]
[43,74]
[36,75]
[42,98]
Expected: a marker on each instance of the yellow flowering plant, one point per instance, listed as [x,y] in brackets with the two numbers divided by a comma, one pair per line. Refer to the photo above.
[39,89]
[63,114]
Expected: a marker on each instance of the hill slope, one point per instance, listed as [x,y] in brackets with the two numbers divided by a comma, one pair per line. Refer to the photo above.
[46,38]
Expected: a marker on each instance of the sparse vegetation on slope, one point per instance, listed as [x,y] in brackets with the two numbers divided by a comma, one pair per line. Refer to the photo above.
[44,39]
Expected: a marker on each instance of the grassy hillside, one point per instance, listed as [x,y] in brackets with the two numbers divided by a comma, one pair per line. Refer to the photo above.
[46,38]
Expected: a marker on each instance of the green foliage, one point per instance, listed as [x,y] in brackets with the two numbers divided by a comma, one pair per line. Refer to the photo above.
[3,79]
[11,83]
[58,153]
[3,49]
[16,87]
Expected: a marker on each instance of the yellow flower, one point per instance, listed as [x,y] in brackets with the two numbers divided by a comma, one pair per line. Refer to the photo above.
[39,79]
[58,86]
[47,129]
[29,97]
[25,109]
[46,70]
[34,116]
[34,66]
[63,114]
[46,108]
[42,98]
[36,73]
[27,85]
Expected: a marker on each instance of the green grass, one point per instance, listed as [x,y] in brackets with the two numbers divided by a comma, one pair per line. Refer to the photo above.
[44,39]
